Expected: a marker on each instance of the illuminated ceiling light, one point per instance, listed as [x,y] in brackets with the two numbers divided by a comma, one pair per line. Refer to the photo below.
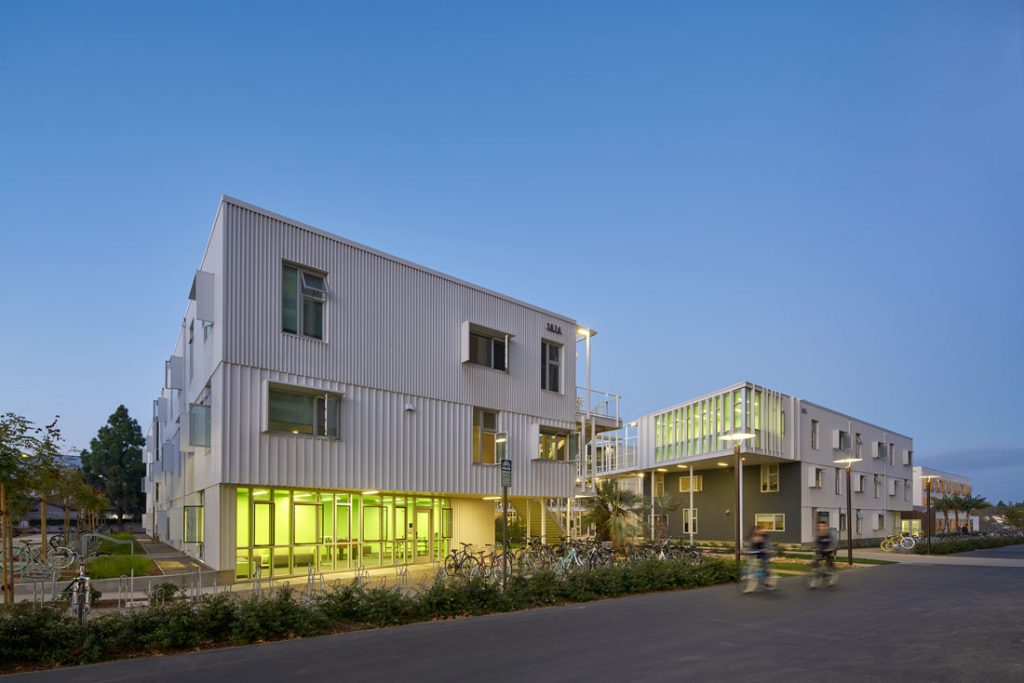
[370,493]
[682,466]
[722,464]
[492,497]
[662,469]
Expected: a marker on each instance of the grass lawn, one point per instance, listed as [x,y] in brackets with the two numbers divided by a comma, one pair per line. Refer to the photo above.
[113,566]
[110,548]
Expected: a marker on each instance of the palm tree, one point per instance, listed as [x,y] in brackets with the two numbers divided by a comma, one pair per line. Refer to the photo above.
[942,505]
[955,506]
[664,503]
[613,512]
[970,503]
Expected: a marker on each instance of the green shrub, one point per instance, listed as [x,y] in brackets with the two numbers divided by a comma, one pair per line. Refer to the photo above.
[113,566]
[109,548]
[953,544]
[163,591]
[49,638]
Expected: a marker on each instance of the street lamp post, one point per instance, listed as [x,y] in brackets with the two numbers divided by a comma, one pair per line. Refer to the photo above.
[849,504]
[737,438]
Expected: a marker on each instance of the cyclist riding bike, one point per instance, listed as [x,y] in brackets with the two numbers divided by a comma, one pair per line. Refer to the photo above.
[824,546]
[759,548]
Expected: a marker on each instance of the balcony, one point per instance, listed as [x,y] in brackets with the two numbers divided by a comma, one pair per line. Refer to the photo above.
[608,454]
[604,409]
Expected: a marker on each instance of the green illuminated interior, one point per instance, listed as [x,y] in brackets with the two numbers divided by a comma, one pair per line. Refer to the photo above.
[285,531]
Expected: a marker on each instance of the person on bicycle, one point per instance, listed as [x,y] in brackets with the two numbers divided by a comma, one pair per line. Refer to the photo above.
[824,545]
[760,548]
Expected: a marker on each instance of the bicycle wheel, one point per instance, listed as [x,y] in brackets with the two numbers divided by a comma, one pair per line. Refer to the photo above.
[813,579]
[451,565]
[907,542]
[887,545]
[831,577]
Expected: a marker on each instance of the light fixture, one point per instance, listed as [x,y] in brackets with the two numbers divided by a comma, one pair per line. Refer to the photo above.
[662,469]
[492,497]
[370,493]
[682,466]
[722,464]
[846,461]
[633,423]
[640,475]
[736,436]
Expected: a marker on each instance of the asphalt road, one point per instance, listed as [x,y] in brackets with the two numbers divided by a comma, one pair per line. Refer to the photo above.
[1010,552]
[900,622]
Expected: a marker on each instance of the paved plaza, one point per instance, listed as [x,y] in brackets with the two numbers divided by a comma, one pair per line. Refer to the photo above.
[907,622]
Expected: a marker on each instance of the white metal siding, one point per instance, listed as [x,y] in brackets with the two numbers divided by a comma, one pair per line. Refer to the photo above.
[388,324]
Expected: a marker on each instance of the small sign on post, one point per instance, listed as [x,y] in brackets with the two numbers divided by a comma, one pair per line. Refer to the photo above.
[506,482]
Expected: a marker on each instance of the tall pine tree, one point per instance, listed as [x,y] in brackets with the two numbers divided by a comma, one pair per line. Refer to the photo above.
[113,463]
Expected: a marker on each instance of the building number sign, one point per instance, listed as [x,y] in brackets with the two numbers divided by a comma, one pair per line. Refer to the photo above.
[556,329]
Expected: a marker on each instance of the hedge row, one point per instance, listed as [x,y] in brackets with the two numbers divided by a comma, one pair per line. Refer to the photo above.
[47,637]
[960,545]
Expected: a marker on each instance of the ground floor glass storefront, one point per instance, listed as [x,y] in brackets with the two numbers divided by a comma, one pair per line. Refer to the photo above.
[286,531]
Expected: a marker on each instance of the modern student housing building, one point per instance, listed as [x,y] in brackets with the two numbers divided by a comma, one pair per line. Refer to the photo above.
[942,485]
[789,475]
[330,405]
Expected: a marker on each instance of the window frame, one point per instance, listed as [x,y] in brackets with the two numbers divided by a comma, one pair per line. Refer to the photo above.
[477,438]
[304,293]
[814,434]
[546,366]
[698,483]
[766,478]
[775,517]
[332,402]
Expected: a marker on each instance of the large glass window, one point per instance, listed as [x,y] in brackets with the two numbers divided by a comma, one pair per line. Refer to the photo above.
[303,294]
[555,445]
[485,429]
[550,366]
[488,351]
[770,478]
[199,425]
[304,413]
[689,518]
[684,483]
[770,521]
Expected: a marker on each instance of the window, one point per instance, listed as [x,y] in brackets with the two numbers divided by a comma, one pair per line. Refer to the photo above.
[818,476]
[689,517]
[193,524]
[906,490]
[191,355]
[659,487]
[892,454]
[488,351]
[857,445]
[684,483]
[880,522]
[770,521]
[878,486]
[842,521]
[304,413]
[860,518]
[485,433]
[840,440]
[814,434]
[156,492]
[198,425]
[892,487]
[908,457]
[769,478]
[858,483]
[550,366]
[839,485]
[822,516]
[303,294]
[556,445]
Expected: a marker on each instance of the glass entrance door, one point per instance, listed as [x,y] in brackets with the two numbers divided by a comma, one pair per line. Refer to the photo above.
[424,534]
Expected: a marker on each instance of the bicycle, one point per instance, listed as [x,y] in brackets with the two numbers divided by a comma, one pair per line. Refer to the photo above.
[901,542]
[462,562]
[823,572]
[756,576]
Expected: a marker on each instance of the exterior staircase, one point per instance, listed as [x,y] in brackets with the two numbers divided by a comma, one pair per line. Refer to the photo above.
[554,530]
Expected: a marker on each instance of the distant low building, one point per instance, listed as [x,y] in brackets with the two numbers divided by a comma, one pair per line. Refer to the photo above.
[943,484]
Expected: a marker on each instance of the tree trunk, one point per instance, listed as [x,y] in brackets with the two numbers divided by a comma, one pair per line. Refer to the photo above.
[42,526]
[8,560]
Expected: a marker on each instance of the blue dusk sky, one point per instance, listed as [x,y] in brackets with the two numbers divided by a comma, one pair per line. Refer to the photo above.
[826,198]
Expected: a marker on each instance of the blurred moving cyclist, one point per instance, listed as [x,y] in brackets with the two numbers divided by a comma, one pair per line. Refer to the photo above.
[824,546]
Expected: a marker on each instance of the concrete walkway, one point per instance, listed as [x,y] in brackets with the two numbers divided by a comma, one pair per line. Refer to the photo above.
[1007,556]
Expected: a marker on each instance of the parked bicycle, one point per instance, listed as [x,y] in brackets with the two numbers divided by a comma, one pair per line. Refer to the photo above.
[901,542]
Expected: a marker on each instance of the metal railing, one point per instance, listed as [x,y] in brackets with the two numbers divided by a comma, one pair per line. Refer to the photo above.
[609,452]
[603,404]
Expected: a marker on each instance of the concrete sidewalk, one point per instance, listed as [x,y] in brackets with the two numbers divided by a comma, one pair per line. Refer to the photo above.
[1007,556]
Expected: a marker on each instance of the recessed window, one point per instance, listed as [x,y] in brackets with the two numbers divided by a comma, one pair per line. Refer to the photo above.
[770,478]
[491,352]
[557,445]
[199,425]
[770,522]
[839,480]
[819,476]
[299,412]
[550,366]
[303,294]
[689,520]
[485,436]
[814,434]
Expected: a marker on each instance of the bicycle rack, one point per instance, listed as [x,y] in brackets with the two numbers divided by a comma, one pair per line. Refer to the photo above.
[362,578]
[257,581]
[81,597]
[402,572]
[314,583]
